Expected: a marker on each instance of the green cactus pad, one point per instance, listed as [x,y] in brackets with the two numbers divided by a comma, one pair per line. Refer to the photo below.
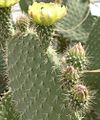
[4,35]
[77,24]
[93,74]
[7,109]
[34,83]
[45,35]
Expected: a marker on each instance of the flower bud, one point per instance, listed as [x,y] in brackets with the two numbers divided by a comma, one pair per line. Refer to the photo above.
[70,77]
[79,98]
[81,92]
[76,56]
[22,23]
[78,51]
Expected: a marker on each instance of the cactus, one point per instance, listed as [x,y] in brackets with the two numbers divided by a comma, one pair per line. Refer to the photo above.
[47,83]
[77,25]
[75,56]
[4,28]
[94,75]
[22,23]
[79,98]
[70,77]
[5,34]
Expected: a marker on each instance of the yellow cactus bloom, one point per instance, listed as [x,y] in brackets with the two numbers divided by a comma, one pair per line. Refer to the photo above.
[7,3]
[46,13]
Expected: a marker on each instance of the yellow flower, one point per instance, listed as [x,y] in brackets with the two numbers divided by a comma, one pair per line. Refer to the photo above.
[46,13]
[7,3]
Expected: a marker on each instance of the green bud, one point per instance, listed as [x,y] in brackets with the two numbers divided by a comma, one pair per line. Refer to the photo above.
[81,92]
[79,98]
[78,51]
[70,77]
[76,57]
[22,23]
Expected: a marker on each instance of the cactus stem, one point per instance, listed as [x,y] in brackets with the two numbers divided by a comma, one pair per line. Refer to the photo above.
[4,35]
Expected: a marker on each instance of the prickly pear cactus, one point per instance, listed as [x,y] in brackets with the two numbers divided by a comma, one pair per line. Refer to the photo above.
[5,35]
[4,28]
[78,23]
[48,84]
[94,75]
[35,85]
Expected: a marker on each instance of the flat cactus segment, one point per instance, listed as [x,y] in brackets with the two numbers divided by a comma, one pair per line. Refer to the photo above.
[34,83]
[4,35]
[93,46]
[72,26]
[93,74]
[7,108]
[5,90]
[45,35]
[4,23]
[7,3]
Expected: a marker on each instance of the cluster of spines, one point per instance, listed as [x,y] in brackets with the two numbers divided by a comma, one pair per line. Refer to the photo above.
[70,77]
[22,23]
[78,96]
[76,56]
